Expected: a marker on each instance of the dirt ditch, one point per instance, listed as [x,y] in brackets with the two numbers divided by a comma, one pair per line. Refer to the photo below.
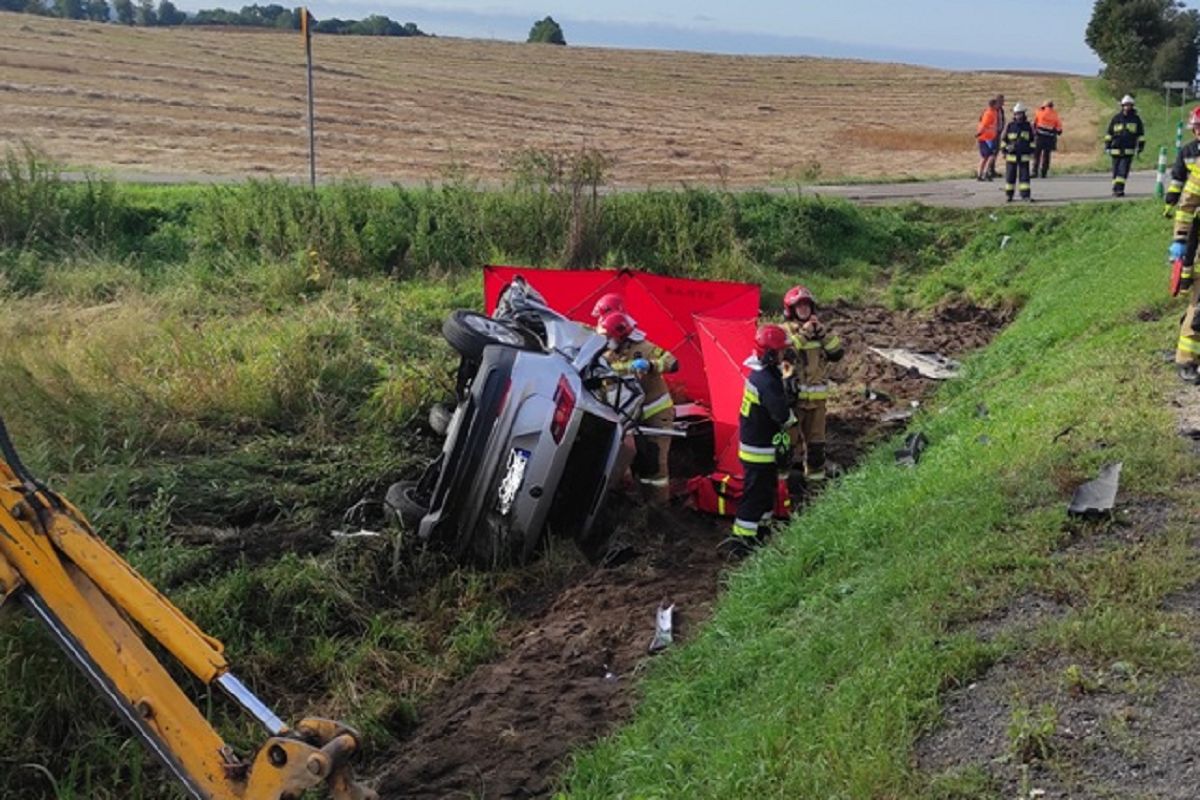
[568,672]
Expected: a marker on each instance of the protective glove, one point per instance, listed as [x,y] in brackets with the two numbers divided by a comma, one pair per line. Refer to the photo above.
[813,329]
[640,366]
[1176,250]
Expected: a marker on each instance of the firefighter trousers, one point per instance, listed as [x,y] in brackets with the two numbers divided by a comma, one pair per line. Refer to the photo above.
[1041,156]
[1016,176]
[1120,173]
[808,438]
[757,505]
[654,453]
[1187,350]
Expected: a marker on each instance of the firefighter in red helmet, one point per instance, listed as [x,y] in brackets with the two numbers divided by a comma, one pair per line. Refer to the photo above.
[606,305]
[1184,194]
[630,353]
[816,348]
[763,440]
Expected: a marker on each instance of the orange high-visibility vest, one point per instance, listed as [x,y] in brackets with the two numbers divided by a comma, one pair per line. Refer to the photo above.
[986,131]
[1047,118]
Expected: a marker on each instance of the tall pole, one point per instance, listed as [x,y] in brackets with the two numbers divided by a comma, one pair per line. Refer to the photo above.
[306,26]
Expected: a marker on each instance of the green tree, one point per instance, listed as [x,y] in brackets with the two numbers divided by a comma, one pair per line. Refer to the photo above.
[168,14]
[98,10]
[145,14]
[1144,42]
[124,11]
[546,31]
[69,9]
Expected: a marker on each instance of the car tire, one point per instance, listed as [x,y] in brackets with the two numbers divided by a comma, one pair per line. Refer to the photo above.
[469,332]
[405,503]
[440,415]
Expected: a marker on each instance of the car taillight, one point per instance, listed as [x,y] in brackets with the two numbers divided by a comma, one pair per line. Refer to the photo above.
[564,404]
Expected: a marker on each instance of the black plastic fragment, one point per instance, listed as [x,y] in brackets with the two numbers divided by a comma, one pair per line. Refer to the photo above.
[910,454]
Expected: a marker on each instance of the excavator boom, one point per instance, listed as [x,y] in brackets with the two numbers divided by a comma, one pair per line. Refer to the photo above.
[96,607]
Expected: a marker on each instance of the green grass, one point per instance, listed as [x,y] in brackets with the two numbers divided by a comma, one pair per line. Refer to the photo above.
[827,657]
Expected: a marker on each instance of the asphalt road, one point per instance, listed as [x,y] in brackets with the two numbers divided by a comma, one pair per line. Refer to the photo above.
[969,193]
[956,193]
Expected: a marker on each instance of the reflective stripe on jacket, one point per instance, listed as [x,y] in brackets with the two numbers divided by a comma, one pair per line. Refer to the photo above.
[814,355]
[1018,140]
[1126,135]
[654,386]
[764,414]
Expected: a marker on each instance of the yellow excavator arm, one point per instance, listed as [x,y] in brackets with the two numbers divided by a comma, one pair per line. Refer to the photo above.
[90,600]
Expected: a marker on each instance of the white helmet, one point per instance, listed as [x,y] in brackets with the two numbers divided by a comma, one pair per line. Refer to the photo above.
[1127,100]
[1019,108]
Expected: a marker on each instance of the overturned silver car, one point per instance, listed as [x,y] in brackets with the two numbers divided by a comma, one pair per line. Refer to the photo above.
[539,431]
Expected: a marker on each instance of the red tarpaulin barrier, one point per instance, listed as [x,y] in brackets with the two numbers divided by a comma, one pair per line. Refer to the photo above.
[726,343]
[663,307]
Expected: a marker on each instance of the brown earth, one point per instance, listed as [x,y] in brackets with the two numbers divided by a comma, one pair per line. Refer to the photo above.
[188,101]
[569,671]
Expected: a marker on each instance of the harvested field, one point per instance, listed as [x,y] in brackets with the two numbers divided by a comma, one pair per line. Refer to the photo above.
[193,102]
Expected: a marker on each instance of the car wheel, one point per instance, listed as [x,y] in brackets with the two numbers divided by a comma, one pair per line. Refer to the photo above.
[404,501]
[469,332]
[440,415]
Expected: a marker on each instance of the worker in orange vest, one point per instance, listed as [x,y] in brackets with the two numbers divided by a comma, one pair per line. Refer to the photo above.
[1047,127]
[987,135]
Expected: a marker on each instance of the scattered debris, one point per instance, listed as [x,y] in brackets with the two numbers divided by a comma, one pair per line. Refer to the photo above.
[662,628]
[618,553]
[899,415]
[609,675]
[930,365]
[876,394]
[1097,497]
[361,533]
[1004,242]
[1064,432]
[984,439]
[910,454]
[981,410]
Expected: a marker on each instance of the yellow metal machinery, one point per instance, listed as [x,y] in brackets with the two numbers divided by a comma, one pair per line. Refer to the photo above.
[90,599]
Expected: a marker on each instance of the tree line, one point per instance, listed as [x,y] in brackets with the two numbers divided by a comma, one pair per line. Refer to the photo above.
[164,13]
[1144,43]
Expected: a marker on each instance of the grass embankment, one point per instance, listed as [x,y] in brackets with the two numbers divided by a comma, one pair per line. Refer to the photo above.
[829,654]
[215,375]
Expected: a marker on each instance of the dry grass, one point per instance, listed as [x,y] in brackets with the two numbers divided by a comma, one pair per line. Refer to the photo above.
[200,101]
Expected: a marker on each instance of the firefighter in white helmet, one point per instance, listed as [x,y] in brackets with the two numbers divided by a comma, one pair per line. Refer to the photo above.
[1017,144]
[1183,193]
[1125,139]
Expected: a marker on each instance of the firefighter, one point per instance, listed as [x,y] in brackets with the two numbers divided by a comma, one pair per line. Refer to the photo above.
[816,348]
[763,441]
[630,353]
[1047,127]
[1017,144]
[1126,138]
[1184,194]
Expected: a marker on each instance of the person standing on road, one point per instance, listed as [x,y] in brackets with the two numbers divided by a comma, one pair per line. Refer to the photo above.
[816,348]
[763,442]
[1000,125]
[1047,127]
[630,353]
[1017,144]
[1125,139]
[1183,193]
[986,136]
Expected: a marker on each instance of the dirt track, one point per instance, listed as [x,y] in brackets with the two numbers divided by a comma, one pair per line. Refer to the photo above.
[569,671]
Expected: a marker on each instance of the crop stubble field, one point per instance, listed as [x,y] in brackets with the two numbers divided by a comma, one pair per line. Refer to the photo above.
[180,101]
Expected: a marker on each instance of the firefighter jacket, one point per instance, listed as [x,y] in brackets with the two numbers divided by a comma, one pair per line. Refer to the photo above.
[1185,174]
[988,122]
[1018,140]
[1046,122]
[1126,135]
[654,386]
[765,415]
[814,354]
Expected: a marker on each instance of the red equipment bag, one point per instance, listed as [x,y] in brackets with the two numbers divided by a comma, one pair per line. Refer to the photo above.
[719,493]
[1176,276]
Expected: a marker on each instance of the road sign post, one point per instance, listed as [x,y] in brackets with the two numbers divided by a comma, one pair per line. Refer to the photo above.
[1162,170]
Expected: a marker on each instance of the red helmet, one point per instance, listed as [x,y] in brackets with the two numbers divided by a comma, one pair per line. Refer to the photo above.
[617,325]
[794,297]
[1194,119]
[608,304]
[769,341]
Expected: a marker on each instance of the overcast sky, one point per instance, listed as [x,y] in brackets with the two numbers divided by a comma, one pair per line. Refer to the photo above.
[957,34]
